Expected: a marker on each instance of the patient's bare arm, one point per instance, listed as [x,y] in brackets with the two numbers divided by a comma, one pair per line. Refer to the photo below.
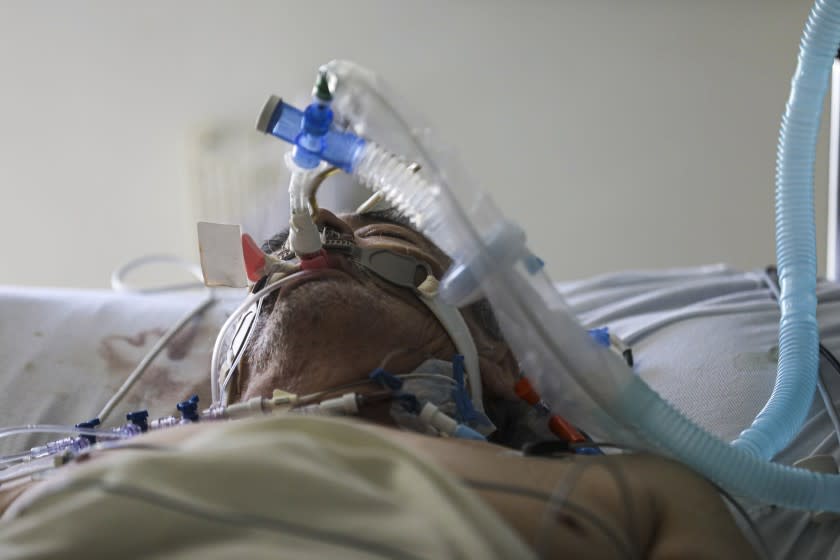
[619,506]
[612,507]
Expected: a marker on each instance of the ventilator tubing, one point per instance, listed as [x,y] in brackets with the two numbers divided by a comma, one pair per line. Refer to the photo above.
[737,470]
[796,253]
[570,371]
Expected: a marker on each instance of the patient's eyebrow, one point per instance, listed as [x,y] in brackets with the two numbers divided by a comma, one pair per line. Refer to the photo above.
[390,216]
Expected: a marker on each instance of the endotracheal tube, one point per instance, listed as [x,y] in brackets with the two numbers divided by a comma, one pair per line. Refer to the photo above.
[316,143]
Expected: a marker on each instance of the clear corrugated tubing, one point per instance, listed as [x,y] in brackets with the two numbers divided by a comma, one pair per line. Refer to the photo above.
[593,387]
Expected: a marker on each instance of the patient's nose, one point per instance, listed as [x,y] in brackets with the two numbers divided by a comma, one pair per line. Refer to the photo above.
[330,220]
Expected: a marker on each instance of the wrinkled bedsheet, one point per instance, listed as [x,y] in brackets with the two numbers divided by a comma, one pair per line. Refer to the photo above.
[705,338]
[294,488]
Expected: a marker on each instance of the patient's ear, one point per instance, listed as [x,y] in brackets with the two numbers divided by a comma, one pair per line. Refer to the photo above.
[499,368]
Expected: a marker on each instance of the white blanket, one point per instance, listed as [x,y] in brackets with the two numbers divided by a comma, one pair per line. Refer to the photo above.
[294,488]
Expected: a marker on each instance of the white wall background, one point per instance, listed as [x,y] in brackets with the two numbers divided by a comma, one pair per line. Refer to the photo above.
[623,133]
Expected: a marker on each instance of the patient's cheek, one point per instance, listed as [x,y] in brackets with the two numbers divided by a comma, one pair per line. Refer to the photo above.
[331,332]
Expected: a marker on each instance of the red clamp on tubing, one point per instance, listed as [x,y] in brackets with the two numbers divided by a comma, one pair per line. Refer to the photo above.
[314,261]
[563,430]
[525,391]
[254,258]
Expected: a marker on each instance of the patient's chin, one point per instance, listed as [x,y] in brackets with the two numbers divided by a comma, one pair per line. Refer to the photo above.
[330,332]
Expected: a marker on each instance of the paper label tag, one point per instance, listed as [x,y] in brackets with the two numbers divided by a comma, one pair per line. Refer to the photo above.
[220,249]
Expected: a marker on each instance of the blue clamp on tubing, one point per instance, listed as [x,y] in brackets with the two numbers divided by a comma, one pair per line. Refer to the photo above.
[90,424]
[139,418]
[189,409]
[385,379]
[465,432]
[601,336]
[312,132]
[464,410]
[533,264]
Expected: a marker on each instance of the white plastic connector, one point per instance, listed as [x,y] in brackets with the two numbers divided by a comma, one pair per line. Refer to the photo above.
[304,238]
[251,407]
[165,422]
[434,417]
[303,232]
[344,405]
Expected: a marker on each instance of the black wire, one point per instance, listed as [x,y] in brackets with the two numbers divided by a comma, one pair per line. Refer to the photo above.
[546,498]
[756,533]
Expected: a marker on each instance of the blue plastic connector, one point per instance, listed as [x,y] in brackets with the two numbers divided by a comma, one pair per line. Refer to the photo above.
[465,432]
[309,143]
[189,409]
[139,418]
[386,380]
[313,133]
[601,336]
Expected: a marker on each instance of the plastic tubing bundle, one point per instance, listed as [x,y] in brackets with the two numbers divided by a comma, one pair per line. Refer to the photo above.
[552,346]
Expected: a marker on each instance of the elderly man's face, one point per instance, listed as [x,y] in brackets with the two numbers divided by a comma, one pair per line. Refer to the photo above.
[334,326]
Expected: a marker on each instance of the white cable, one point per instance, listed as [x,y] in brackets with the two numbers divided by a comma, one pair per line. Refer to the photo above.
[148,358]
[118,285]
[117,276]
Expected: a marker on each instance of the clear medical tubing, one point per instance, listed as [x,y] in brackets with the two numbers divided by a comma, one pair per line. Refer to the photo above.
[782,417]
[593,387]
[222,338]
[58,429]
